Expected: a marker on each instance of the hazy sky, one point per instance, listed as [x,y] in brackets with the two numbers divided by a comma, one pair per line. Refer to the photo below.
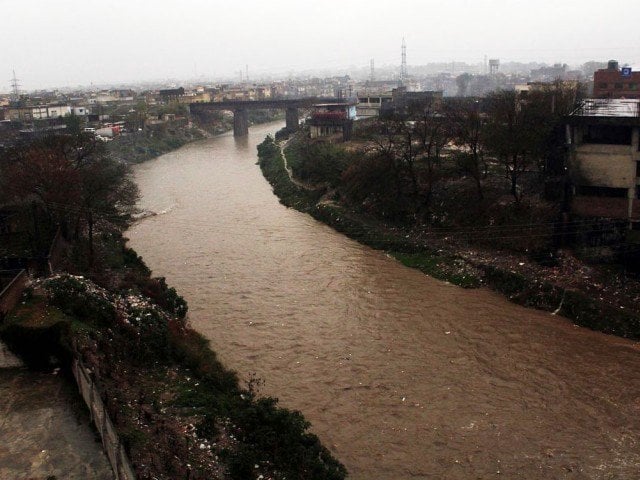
[77,42]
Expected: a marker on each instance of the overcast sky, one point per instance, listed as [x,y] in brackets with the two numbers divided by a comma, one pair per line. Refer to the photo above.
[79,42]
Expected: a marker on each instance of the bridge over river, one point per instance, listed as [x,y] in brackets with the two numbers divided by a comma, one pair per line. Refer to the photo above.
[241,107]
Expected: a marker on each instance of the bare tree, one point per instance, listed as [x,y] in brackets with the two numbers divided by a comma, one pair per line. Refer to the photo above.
[432,133]
[517,133]
[467,129]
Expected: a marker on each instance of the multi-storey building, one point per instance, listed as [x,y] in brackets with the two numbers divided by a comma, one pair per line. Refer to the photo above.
[604,138]
[615,82]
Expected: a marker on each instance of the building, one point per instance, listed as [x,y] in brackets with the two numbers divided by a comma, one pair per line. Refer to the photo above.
[38,112]
[370,105]
[604,161]
[56,111]
[615,82]
[549,74]
[81,111]
[328,119]
[407,103]
[195,97]
[171,94]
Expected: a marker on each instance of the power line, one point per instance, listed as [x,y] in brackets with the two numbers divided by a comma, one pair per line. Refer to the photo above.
[505,231]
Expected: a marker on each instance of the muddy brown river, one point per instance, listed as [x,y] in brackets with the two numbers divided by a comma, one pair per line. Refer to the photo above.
[402,376]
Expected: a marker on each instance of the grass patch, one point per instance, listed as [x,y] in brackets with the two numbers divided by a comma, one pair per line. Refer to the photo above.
[272,165]
[445,268]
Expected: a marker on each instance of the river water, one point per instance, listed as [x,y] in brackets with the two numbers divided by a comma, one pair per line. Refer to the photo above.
[402,376]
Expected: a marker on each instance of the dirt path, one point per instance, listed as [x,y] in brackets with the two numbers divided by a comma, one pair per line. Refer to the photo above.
[294,180]
[8,359]
[45,430]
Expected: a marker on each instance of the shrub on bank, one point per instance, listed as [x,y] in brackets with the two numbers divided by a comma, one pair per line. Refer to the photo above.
[272,165]
[80,299]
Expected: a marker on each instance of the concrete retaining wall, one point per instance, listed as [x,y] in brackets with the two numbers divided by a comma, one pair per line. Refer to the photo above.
[56,251]
[110,440]
[10,295]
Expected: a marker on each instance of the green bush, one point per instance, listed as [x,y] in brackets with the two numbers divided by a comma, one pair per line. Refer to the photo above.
[317,162]
[132,259]
[281,435]
[73,297]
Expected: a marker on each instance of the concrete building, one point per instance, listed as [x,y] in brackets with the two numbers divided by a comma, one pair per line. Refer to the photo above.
[615,82]
[328,119]
[195,97]
[407,103]
[55,111]
[171,94]
[81,111]
[38,112]
[604,139]
[370,105]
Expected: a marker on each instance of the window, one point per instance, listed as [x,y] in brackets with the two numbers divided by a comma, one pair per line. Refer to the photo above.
[633,86]
[610,192]
[608,135]
[617,86]
[602,85]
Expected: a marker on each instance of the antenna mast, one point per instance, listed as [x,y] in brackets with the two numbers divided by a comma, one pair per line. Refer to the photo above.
[403,66]
[15,87]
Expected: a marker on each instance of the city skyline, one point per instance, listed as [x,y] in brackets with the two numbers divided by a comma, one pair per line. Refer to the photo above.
[73,43]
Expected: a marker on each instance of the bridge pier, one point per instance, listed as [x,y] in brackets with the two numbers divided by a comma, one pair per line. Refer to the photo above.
[240,122]
[292,118]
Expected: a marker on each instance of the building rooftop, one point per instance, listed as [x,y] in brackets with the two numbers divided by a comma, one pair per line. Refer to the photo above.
[336,104]
[617,108]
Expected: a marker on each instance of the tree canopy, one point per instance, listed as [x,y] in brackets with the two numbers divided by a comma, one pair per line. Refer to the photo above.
[72,178]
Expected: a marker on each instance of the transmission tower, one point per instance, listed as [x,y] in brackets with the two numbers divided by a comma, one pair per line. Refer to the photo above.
[15,87]
[372,74]
[403,65]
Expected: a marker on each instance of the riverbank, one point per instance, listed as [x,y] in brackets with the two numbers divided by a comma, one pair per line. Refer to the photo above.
[569,289]
[158,139]
[179,413]
[137,147]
